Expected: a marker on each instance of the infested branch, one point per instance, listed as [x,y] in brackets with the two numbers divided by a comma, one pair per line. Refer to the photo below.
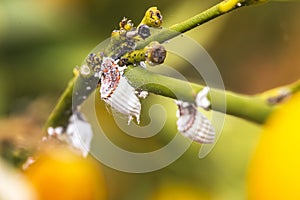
[255,108]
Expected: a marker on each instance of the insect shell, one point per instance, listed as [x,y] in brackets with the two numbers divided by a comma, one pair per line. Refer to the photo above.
[155,53]
[144,31]
[117,92]
[193,124]
[78,134]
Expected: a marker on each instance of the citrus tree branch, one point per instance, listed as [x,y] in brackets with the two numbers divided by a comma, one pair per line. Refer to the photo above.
[252,108]
[63,109]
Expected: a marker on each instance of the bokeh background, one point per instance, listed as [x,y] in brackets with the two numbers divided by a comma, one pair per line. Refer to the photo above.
[41,41]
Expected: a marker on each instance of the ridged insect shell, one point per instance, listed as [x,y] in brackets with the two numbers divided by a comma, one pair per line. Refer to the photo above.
[79,133]
[124,100]
[117,92]
[193,124]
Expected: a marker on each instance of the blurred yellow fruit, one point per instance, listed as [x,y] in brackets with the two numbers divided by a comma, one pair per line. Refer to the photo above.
[13,186]
[275,169]
[62,175]
[179,191]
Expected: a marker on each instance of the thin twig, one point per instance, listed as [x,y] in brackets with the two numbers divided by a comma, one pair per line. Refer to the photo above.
[252,108]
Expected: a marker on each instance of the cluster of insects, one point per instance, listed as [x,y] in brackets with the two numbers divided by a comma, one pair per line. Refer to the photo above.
[110,64]
[107,69]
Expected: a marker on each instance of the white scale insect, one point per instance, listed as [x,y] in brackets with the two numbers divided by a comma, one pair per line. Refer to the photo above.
[78,133]
[192,123]
[121,96]
[116,91]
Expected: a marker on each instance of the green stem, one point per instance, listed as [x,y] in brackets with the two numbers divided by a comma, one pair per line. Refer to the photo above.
[248,107]
[63,109]
[251,108]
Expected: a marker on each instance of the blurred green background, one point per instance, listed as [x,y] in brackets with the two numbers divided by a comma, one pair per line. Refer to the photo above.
[255,48]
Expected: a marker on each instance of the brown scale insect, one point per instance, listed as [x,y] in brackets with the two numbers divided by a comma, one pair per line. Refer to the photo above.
[110,78]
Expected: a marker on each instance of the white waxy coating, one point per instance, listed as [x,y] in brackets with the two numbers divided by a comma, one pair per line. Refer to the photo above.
[117,92]
[202,100]
[124,100]
[192,123]
[79,134]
